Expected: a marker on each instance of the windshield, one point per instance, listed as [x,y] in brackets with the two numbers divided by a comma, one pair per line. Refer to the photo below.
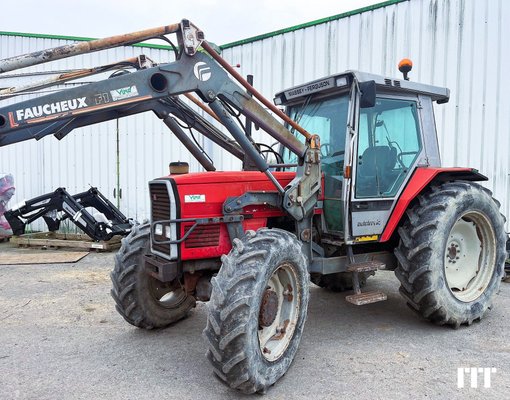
[326,118]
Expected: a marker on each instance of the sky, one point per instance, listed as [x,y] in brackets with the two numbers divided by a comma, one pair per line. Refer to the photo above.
[222,21]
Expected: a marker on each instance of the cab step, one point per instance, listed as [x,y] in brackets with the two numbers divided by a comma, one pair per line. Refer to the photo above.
[367,266]
[361,299]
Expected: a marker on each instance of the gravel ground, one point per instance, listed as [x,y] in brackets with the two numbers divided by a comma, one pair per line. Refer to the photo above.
[61,338]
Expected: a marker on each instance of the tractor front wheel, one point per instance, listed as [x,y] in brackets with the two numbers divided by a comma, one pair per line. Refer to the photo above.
[142,300]
[451,253]
[257,310]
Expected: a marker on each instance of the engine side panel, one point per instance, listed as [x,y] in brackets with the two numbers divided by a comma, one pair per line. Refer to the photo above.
[202,195]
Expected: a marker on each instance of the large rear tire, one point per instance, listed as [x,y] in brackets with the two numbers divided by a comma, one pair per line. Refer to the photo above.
[142,300]
[257,310]
[451,253]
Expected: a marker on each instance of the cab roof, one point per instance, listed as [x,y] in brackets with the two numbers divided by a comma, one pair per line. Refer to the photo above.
[344,79]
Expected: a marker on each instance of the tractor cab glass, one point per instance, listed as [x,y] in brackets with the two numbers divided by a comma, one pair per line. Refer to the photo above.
[388,145]
[328,119]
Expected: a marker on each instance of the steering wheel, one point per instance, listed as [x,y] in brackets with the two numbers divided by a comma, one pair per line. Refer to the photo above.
[325,149]
[399,155]
[404,153]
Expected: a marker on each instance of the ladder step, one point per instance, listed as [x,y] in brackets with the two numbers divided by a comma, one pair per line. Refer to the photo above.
[367,266]
[366,298]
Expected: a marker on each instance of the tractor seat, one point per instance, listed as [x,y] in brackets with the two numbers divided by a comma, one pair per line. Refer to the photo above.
[375,168]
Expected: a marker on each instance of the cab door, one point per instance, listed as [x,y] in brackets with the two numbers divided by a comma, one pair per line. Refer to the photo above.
[327,117]
[389,145]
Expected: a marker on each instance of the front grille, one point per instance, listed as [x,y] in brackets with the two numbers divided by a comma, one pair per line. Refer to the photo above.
[160,211]
[203,236]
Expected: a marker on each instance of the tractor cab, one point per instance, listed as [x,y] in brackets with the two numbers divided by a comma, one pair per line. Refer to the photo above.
[374,132]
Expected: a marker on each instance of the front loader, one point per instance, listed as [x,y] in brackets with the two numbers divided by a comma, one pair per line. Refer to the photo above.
[354,186]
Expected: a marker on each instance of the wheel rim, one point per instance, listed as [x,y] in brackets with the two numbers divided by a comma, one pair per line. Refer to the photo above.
[279,312]
[168,295]
[470,256]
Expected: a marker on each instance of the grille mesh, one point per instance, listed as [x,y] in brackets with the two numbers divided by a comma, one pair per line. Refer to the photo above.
[160,210]
[203,236]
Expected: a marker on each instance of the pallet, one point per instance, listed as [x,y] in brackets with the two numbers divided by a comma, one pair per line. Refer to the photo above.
[71,240]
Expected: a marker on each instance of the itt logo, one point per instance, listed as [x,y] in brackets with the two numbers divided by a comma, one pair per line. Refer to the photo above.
[473,376]
[202,71]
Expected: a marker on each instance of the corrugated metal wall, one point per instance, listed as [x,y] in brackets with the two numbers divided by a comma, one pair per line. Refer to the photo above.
[453,43]
[141,144]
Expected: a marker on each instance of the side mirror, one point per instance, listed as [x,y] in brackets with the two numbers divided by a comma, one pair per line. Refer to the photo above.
[368,93]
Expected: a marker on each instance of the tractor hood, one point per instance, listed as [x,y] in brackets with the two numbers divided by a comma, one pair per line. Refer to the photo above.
[230,177]
[202,195]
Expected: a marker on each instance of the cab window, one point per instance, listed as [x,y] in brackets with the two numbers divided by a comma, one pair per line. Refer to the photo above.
[328,119]
[388,145]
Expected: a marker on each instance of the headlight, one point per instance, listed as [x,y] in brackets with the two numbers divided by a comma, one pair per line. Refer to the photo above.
[168,231]
[158,229]
[341,81]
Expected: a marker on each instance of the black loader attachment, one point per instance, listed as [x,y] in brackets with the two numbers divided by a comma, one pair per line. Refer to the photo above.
[59,205]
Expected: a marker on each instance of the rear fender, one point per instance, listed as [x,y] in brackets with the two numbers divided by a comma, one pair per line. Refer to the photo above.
[421,179]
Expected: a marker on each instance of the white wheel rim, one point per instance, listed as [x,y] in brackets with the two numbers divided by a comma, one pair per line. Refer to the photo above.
[166,296]
[275,338]
[469,257]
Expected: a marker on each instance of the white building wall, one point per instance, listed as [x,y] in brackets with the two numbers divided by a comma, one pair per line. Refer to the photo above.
[88,156]
[454,43]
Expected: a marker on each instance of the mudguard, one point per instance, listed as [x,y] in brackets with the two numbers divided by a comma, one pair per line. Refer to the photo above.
[422,178]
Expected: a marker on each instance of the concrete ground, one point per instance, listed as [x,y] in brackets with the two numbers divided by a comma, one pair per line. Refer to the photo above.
[61,338]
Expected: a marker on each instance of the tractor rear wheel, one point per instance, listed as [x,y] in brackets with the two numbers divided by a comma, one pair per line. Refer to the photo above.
[142,300]
[451,253]
[257,309]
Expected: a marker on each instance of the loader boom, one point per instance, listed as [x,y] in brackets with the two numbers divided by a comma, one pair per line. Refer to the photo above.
[157,89]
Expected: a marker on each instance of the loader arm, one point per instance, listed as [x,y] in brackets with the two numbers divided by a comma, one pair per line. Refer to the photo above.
[156,89]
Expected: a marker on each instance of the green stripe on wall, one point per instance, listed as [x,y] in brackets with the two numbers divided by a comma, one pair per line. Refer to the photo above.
[228,45]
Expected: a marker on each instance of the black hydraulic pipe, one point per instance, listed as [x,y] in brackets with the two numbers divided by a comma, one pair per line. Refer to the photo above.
[188,143]
[225,144]
[249,124]
[207,47]
[243,141]
[238,135]
[210,131]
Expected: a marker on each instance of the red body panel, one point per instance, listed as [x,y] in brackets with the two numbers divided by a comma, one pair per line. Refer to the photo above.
[420,179]
[217,187]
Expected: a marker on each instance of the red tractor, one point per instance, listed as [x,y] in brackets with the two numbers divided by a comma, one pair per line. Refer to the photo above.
[364,192]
